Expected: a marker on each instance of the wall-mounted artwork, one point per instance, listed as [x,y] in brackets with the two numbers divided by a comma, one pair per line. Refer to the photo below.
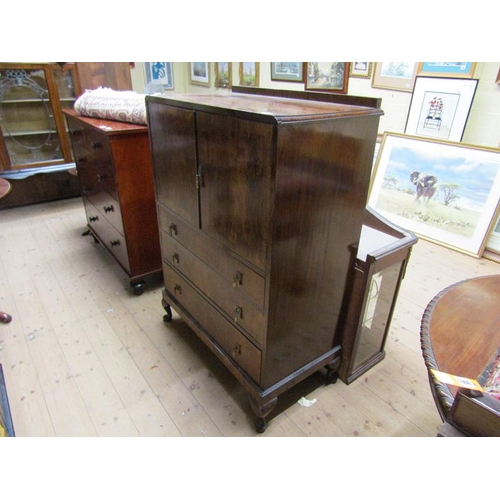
[440,107]
[160,73]
[223,74]
[445,192]
[199,73]
[329,76]
[287,71]
[361,69]
[394,75]
[451,69]
[249,74]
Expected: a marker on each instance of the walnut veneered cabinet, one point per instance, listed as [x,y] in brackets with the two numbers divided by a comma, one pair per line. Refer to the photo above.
[260,198]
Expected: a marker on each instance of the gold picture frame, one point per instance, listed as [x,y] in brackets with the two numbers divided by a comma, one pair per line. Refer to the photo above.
[249,74]
[223,74]
[394,75]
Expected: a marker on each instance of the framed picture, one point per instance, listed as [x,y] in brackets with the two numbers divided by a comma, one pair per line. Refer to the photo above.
[394,75]
[361,69]
[160,73]
[223,74]
[493,243]
[440,107]
[287,72]
[445,192]
[249,74]
[498,77]
[451,69]
[327,76]
[200,73]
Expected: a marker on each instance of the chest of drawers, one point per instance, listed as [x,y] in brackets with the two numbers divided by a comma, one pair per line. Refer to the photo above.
[259,199]
[116,178]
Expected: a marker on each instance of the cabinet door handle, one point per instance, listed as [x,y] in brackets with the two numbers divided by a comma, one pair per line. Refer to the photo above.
[110,208]
[175,258]
[114,243]
[173,229]
[237,279]
[238,314]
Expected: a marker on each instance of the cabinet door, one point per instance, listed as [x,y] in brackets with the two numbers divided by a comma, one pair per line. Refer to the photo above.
[235,163]
[173,149]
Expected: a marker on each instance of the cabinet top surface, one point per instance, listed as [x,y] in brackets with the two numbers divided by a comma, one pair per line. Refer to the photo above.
[278,109]
[108,126]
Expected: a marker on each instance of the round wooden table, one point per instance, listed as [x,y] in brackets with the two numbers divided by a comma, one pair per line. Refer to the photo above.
[460,334]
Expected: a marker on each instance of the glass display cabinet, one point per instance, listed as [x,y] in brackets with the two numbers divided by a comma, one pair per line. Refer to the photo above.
[379,264]
[32,97]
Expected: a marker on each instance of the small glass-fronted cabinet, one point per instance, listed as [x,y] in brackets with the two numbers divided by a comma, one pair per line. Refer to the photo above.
[32,97]
[379,262]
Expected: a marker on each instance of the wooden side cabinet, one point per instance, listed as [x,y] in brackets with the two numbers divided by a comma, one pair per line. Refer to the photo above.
[378,267]
[259,199]
[113,162]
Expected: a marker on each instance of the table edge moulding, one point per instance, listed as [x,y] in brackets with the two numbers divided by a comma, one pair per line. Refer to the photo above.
[260,196]
[460,337]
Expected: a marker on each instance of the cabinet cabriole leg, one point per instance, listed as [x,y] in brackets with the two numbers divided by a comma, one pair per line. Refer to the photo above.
[167,317]
[261,411]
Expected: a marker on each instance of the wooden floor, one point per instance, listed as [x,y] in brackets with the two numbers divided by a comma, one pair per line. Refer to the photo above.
[83,356]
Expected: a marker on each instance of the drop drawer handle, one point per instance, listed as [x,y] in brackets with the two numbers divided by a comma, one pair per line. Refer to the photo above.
[177,289]
[173,230]
[237,279]
[93,219]
[96,145]
[114,243]
[111,208]
[175,258]
[238,314]
[237,350]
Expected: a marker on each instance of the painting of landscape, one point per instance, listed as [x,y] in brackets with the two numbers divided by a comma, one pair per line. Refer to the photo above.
[446,192]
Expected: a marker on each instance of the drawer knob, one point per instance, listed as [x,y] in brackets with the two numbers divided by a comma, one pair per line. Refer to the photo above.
[94,218]
[114,243]
[237,350]
[175,258]
[96,145]
[110,208]
[238,314]
[177,290]
[173,229]
[237,279]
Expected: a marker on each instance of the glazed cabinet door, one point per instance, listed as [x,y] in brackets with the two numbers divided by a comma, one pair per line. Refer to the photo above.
[234,168]
[173,149]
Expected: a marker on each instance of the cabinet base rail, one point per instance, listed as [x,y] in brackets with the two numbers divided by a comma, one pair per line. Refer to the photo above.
[262,401]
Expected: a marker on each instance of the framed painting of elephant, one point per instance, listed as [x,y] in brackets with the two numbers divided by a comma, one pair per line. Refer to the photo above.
[443,191]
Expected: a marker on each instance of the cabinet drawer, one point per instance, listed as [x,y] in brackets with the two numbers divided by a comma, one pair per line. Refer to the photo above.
[242,311]
[110,208]
[222,333]
[107,234]
[237,274]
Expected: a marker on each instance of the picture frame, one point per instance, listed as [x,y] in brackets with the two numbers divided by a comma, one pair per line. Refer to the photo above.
[440,107]
[444,192]
[361,69]
[327,76]
[447,69]
[287,72]
[249,74]
[161,73]
[493,243]
[223,74]
[394,75]
[199,73]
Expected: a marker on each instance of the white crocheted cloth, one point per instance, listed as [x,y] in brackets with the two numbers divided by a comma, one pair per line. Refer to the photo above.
[109,104]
